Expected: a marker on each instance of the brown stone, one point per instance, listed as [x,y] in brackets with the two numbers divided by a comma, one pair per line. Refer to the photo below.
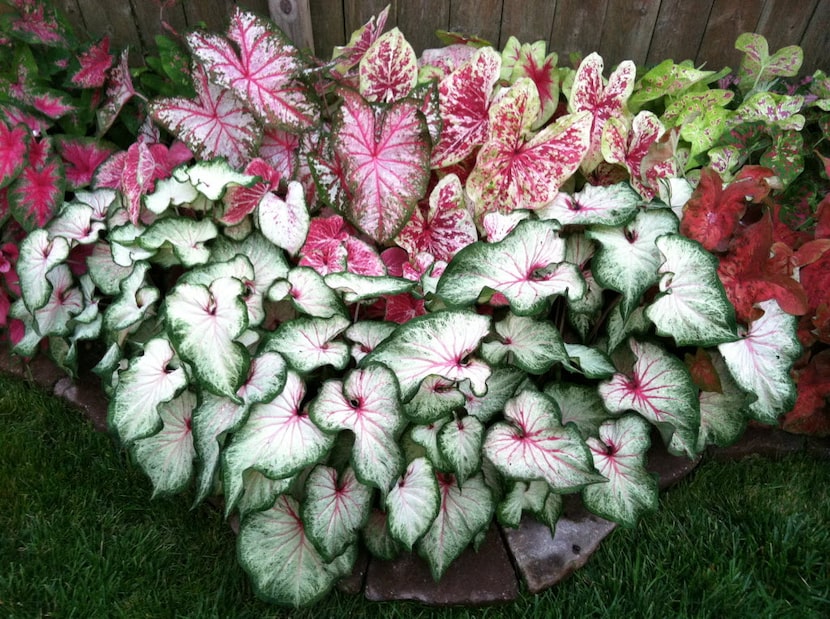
[670,469]
[353,584]
[766,442]
[475,578]
[43,372]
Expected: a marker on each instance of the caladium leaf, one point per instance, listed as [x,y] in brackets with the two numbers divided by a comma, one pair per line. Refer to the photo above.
[284,222]
[95,61]
[186,237]
[389,69]
[785,156]
[532,345]
[308,343]
[692,306]
[65,301]
[463,513]
[334,510]
[758,68]
[723,412]
[579,405]
[361,39]
[762,359]
[147,382]
[260,492]
[385,157]
[355,288]
[535,497]
[36,194]
[459,442]
[435,344]
[167,456]
[13,146]
[136,297]
[203,322]
[660,389]
[379,541]
[619,455]
[435,399]
[367,404]
[365,336]
[38,255]
[628,257]
[119,91]
[81,158]
[502,384]
[668,79]
[413,502]
[170,192]
[527,267]
[587,360]
[310,294]
[285,567]
[611,205]
[529,61]
[212,178]
[74,222]
[702,117]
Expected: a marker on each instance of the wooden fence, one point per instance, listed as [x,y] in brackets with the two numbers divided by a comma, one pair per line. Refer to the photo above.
[646,31]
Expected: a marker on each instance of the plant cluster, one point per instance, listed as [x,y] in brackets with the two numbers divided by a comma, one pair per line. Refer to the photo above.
[385,299]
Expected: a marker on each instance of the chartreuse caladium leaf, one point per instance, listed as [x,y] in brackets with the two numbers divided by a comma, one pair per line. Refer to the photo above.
[284,222]
[612,205]
[308,343]
[334,510]
[579,405]
[167,456]
[516,169]
[619,455]
[148,381]
[413,502]
[36,194]
[281,421]
[435,399]
[136,298]
[464,512]
[435,344]
[285,567]
[459,442]
[723,413]
[389,69]
[502,384]
[628,258]
[534,497]
[203,322]
[367,404]
[532,444]
[527,267]
[530,344]
[667,79]
[758,69]
[702,118]
[761,361]
[185,236]
[660,389]
[692,306]
[384,151]
[38,255]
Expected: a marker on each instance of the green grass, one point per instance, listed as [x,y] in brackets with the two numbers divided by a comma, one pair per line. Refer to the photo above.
[79,537]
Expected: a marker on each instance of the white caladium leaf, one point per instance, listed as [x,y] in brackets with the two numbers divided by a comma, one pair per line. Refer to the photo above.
[460,444]
[334,510]
[74,222]
[619,455]
[124,244]
[170,192]
[579,405]
[379,541]
[723,413]
[309,293]
[389,69]
[365,335]
[260,492]
[135,300]
[412,503]
[692,307]
[284,222]
[611,205]
[762,359]
[212,178]
[501,386]
[38,255]
[28,344]
[620,327]
[238,267]
[628,257]
[436,398]
[427,437]
[530,344]
[355,288]
[367,404]
[284,566]
[65,302]
[435,344]
[308,343]
[534,497]
[203,323]
[103,270]
[591,362]
[498,225]
[526,267]
[167,456]
[147,382]
[660,389]
[281,422]
[465,511]
[532,444]
[187,238]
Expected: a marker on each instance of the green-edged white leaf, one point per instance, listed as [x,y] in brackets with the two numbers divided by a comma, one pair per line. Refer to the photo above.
[436,398]
[412,503]
[38,255]
[534,497]
[135,300]
[378,539]
[460,444]
[619,455]
[502,384]
[526,267]
[260,492]
[187,238]
[533,444]
[426,436]
[367,404]
[279,423]
[28,345]
[628,257]
[75,223]
[532,345]
[591,362]
[307,343]
[211,178]
[309,293]
[692,307]
[580,405]
[284,222]
[620,328]
[660,389]
[238,267]
[335,508]
[356,288]
[103,270]
[365,336]
[464,512]
[283,564]
[167,456]
[65,302]
[124,245]
[723,414]
[148,381]
[435,344]
[611,205]
[170,192]
[762,359]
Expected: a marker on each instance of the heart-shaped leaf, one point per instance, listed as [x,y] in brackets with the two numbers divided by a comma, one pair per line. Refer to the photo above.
[530,344]
[185,236]
[38,255]
[365,336]
[612,205]
[284,222]
[307,343]
[534,497]
[389,69]
[136,298]
[501,386]
[13,147]
[75,223]
[413,502]
[435,399]
[723,412]
[36,194]
[460,444]
[758,67]
[579,405]
[356,288]
[308,292]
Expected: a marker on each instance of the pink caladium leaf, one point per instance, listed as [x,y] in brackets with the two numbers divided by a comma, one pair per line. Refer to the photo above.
[36,194]
[214,124]
[81,158]
[590,93]
[518,170]
[385,157]
[389,69]
[529,60]
[51,103]
[281,150]
[138,177]
[37,23]
[241,201]
[95,62]
[262,73]
[14,143]
[349,55]
[442,227]
[119,90]
[15,116]
[464,102]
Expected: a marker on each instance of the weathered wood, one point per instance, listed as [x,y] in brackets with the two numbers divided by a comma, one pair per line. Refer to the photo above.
[114,19]
[627,29]
[213,16]
[783,22]
[577,27]
[529,21]
[816,40]
[727,21]
[72,12]
[328,26]
[294,18]
[481,18]
[358,12]
[420,20]
[148,18]
[678,30]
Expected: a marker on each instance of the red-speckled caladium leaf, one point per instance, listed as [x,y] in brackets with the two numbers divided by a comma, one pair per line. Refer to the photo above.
[464,103]
[138,177]
[262,72]
[214,124]
[389,69]
[81,158]
[14,143]
[529,60]
[37,23]
[413,502]
[758,68]
[785,156]
[518,170]
[119,90]
[590,93]
[241,201]
[281,150]
[95,62]
[36,194]
[385,157]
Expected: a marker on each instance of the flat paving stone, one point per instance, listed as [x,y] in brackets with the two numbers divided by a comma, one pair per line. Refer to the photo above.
[670,469]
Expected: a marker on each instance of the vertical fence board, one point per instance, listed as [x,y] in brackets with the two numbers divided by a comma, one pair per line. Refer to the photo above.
[294,18]
[358,12]
[577,26]
[213,15]
[327,26]
[816,40]
[529,21]
[783,22]
[477,17]
[115,19]
[678,31]
[148,19]
[627,29]
[419,21]
[72,11]
[728,20]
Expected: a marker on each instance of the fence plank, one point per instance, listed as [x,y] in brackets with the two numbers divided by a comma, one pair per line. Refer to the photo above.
[294,18]
[115,19]
[816,40]
[327,26]
[214,15]
[783,22]
[577,26]
[419,21]
[627,29]
[148,19]
[529,22]
[477,17]
[72,11]
[678,31]
[358,12]
[728,20]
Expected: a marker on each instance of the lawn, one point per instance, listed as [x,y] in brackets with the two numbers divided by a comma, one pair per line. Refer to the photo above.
[80,537]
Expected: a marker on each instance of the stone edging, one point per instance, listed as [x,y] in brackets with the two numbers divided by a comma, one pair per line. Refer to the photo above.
[507,556]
